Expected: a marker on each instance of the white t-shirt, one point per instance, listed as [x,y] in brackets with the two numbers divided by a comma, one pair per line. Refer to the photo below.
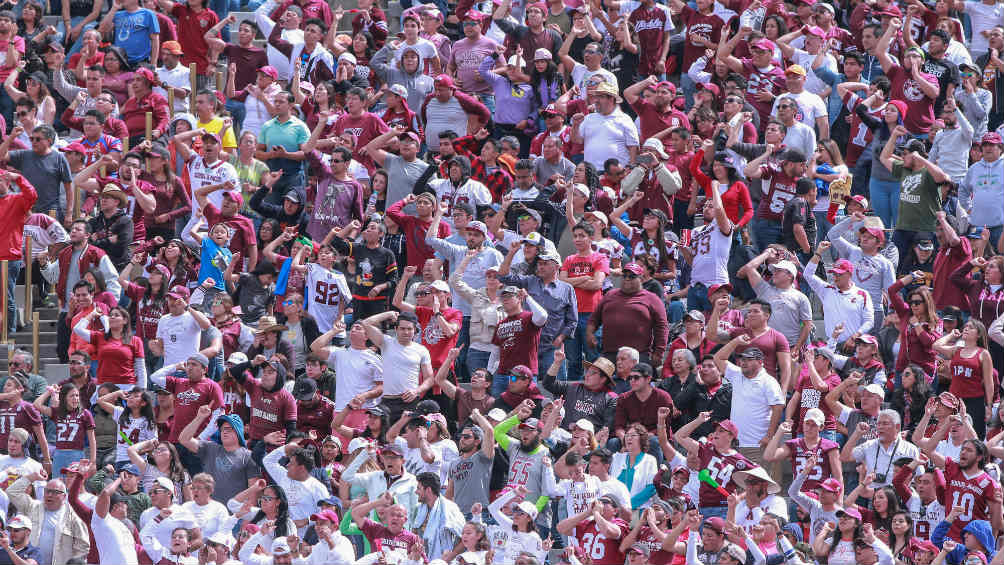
[581,74]
[22,466]
[751,403]
[415,464]
[180,335]
[810,106]
[328,291]
[358,371]
[608,137]
[178,77]
[210,517]
[116,545]
[813,83]
[711,254]
[984,17]
[407,361]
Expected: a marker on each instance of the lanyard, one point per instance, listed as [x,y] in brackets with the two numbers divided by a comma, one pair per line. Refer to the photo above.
[878,446]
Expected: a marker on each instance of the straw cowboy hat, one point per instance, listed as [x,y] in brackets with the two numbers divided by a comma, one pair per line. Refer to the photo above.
[740,478]
[268,324]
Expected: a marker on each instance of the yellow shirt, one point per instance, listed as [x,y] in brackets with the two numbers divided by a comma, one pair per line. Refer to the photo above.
[214,126]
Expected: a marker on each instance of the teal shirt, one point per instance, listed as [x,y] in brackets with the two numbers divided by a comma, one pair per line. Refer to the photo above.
[290,134]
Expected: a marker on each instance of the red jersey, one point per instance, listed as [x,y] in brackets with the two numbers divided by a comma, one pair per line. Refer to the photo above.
[365,128]
[946,261]
[770,79]
[709,26]
[579,266]
[71,429]
[782,189]
[20,415]
[967,375]
[602,550]
[146,310]
[116,360]
[188,397]
[920,109]
[517,338]
[270,410]
[721,468]
[192,26]
[861,134]
[800,454]
[973,493]
[653,121]
[653,26]
[317,417]
[658,556]
[682,163]
[432,336]
[380,537]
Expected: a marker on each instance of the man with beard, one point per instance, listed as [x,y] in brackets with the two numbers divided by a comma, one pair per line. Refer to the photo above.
[15,543]
[657,113]
[527,467]
[921,500]
[717,456]
[761,497]
[470,475]
[966,483]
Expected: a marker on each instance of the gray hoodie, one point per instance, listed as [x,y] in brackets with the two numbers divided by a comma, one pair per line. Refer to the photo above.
[419,85]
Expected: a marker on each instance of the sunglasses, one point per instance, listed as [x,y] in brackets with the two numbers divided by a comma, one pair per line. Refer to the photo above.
[591,52]
[515,378]
[635,377]
[916,302]
[471,23]
[733,101]
[466,436]
[287,302]
[75,362]
[333,161]
[967,75]
[785,106]
[630,276]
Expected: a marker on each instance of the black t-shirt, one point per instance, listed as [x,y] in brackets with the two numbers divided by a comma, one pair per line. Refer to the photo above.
[947,74]
[252,297]
[797,211]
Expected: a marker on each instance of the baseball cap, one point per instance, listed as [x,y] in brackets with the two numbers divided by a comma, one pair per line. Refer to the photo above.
[817,31]
[444,80]
[269,71]
[635,268]
[165,483]
[398,89]
[237,357]
[875,389]
[510,289]
[710,87]
[304,389]
[763,43]
[949,400]
[826,352]
[785,265]
[551,108]
[752,353]
[873,231]
[551,257]
[715,523]
[640,548]
[210,136]
[348,57]
[440,285]
[584,424]
[132,469]
[496,414]
[19,522]
[695,315]
[851,511]
[730,427]
[280,546]
[868,338]
[831,485]
[479,227]
[199,358]
[542,54]
[172,47]
[328,515]
[75,147]
[860,200]
[643,369]
[716,287]
[842,266]
[991,137]
[814,415]
[392,448]
[795,70]
[530,423]
[528,508]
[731,549]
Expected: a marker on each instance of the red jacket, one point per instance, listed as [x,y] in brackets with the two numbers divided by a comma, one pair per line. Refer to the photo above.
[89,257]
[14,209]
[134,114]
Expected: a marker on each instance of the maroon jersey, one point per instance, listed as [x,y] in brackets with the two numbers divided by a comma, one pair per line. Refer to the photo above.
[799,454]
[71,429]
[20,415]
[770,79]
[270,410]
[658,556]
[146,310]
[973,493]
[432,336]
[861,134]
[720,467]
[188,397]
[317,417]
[920,109]
[653,27]
[380,537]
[967,375]
[365,128]
[602,550]
[709,26]
[517,337]
[782,189]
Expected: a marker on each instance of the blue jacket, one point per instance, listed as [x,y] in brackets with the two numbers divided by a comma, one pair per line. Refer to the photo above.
[979,528]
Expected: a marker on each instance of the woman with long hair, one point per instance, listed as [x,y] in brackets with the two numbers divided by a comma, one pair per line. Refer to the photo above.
[148,296]
[603,243]
[486,311]
[545,80]
[376,200]
[119,353]
[176,256]
[982,280]
[118,73]
[883,188]
[102,295]
[918,325]
[74,425]
[736,198]
[633,466]
[649,240]
[136,422]
[885,505]
[900,532]
[911,396]
[516,524]
[262,503]
[972,371]
[155,459]
[168,192]
[473,539]
[837,546]
[268,231]
[34,89]
[322,102]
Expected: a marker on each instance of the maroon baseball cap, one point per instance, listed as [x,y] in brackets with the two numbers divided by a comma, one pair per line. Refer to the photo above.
[444,80]
[728,426]
[850,511]
[269,71]
[716,287]
[145,73]
[715,523]
[634,268]
[710,87]
[830,485]
[763,43]
[236,196]
[666,84]
[180,292]
[991,137]
[873,231]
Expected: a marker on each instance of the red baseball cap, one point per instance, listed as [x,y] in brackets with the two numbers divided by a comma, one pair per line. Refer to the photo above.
[830,485]
[710,87]
[269,71]
[728,426]
[75,147]
[874,232]
[444,80]
[842,266]
[634,268]
[716,287]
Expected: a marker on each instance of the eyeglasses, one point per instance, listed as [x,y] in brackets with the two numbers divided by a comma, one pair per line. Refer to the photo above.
[54,491]
[333,161]
[733,100]
[785,106]
[635,376]
[630,276]
[265,498]
[23,113]
[514,378]
[75,362]
[159,491]
[466,436]
[471,23]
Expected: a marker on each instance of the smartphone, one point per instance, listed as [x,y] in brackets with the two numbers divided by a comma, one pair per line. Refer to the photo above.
[646,159]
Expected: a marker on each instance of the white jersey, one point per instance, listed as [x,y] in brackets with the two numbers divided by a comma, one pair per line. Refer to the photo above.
[925,516]
[204,174]
[711,254]
[137,430]
[472,192]
[327,292]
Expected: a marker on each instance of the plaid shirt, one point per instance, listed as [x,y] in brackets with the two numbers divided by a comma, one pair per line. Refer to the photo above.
[499,181]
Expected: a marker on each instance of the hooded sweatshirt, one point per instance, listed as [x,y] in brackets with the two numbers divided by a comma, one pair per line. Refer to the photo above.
[419,85]
[979,528]
[278,211]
